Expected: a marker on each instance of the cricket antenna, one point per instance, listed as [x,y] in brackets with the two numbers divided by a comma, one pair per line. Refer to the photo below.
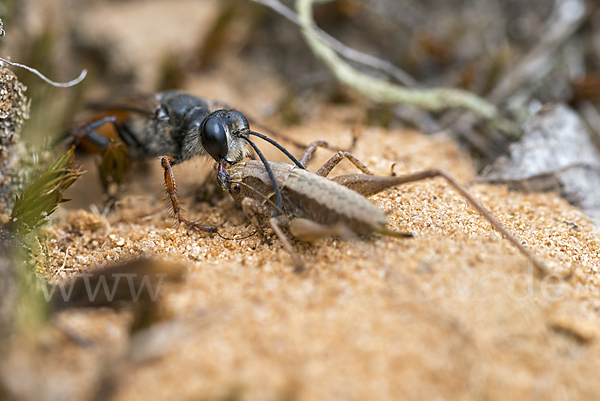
[271,175]
[278,146]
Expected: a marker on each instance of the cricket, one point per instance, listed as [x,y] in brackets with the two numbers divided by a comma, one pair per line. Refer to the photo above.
[315,206]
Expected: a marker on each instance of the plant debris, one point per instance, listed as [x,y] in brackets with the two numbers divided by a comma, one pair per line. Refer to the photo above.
[14,110]
[42,197]
[556,153]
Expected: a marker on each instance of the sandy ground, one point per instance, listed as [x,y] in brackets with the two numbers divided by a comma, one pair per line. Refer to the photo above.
[454,313]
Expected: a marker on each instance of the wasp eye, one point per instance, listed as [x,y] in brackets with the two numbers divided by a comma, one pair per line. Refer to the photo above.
[214,138]
[236,189]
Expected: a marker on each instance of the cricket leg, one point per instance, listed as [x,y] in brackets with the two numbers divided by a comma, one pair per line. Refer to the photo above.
[337,158]
[275,223]
[334,161]
[369,185]
[167,163]
[309,231]
[253,208]
[310,151]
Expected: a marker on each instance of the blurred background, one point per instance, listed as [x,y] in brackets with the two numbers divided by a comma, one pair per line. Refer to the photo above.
[246,54]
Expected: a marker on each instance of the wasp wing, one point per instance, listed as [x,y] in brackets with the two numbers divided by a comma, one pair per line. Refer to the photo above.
[139,103]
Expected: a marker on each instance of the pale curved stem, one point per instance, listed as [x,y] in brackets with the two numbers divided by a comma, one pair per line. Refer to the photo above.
[46,79]
[381,91]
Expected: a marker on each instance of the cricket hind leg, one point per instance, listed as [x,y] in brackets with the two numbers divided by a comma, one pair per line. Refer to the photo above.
[116,163]
[370,185]
[171,187]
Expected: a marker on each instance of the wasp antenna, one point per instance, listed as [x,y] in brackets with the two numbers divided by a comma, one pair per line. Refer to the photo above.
[271,176]
[281,148]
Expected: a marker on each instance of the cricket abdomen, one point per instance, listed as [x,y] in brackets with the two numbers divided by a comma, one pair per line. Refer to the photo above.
[327,202]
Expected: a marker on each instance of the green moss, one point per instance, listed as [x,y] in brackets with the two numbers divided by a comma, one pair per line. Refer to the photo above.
[42,197]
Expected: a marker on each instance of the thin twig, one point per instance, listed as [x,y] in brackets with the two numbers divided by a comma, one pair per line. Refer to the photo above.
[53,83]
[347,52]
[385,92]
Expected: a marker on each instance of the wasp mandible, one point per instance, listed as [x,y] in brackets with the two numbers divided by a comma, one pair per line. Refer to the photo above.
[176,127]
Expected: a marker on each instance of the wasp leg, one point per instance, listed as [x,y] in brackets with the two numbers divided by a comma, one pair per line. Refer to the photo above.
[116,159]
[127,136]
[97,139]
[115,164]
[89,132]
[74,136]
[167,163]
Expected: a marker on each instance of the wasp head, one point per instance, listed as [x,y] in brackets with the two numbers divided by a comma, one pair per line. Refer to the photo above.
[221,134]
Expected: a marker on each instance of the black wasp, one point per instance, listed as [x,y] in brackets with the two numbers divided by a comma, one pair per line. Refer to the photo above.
[176,127]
